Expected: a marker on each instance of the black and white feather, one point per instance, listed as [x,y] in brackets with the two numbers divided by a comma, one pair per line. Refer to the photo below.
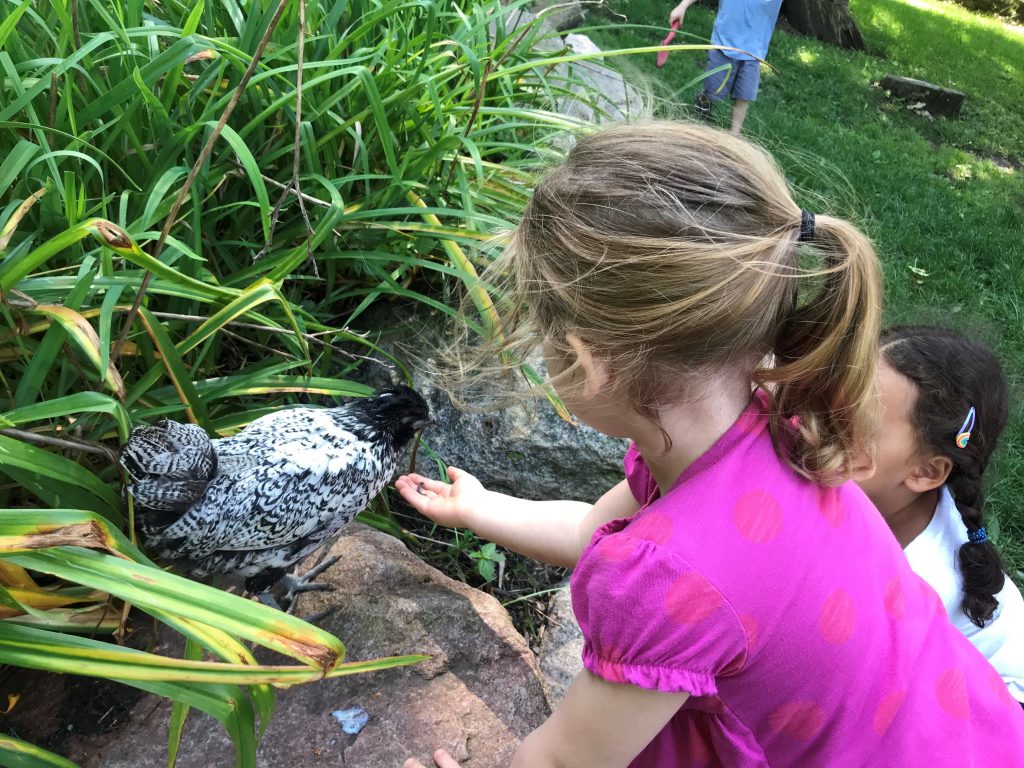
[256,503]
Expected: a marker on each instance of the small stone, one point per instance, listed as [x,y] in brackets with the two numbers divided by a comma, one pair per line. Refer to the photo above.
[352,720]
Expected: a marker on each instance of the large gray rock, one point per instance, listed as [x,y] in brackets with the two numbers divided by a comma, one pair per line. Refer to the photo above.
[478,696]
[601,92]
[616,99]
[563,14]
[544,34]
[526,450]
[561,649]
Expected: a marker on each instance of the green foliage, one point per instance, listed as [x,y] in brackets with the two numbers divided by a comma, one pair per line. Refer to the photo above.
[154,263]
[487,558]
[15,753]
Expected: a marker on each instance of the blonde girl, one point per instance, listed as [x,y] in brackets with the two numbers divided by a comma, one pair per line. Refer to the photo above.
[741,604]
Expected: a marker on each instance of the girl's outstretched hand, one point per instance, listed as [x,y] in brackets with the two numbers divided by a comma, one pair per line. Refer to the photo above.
[444,503]
[441,758]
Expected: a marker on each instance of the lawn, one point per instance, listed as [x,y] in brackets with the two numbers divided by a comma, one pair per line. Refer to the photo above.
[943,199]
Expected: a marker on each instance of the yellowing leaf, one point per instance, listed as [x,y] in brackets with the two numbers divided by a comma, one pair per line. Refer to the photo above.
[12,223]
[84,335]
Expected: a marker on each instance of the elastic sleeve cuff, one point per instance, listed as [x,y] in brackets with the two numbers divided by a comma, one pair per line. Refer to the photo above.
[649,677]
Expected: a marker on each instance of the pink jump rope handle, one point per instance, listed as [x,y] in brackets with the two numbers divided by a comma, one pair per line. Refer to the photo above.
[663,55]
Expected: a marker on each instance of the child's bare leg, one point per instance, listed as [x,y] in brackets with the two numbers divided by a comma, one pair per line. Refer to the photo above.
[739,114]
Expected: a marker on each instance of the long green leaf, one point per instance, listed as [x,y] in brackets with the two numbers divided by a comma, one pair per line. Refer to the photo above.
[84,335]
[259,293]
[143,586]
[15,753]
[29,529]
[81,402]
[16,159]
[62,472]
[179,375]
[252,168]
[179,710]
[39,649]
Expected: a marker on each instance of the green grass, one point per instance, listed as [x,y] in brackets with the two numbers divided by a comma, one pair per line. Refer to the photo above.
[947,220]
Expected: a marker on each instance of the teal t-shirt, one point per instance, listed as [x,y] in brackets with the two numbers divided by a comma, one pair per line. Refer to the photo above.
[747,25]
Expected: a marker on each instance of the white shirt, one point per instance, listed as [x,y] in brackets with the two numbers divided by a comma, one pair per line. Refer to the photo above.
[934,557]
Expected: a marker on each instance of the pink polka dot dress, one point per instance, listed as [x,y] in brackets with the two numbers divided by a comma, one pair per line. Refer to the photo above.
[790,615]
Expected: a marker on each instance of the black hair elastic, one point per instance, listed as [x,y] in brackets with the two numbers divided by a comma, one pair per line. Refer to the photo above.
[806,226]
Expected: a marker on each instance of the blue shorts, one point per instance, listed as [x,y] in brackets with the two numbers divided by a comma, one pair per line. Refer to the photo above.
[739,80]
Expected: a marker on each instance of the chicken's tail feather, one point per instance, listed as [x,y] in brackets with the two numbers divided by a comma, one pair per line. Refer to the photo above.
[170,465]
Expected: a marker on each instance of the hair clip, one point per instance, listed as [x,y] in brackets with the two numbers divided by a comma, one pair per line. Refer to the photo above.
[979,536]
[965,429]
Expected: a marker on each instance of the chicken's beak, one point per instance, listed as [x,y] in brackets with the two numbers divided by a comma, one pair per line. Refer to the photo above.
[422,424]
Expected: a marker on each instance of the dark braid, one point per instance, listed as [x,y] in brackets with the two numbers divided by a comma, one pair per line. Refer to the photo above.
[952,374]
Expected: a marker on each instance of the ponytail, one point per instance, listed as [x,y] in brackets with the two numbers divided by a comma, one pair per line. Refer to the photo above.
[980,564]
[673,251]
[952,375]
[825,355]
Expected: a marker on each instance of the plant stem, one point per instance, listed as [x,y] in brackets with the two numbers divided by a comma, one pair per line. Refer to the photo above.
[62,443]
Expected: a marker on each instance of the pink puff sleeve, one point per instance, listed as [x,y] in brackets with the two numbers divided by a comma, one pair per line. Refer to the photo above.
[649,619]
[639,479]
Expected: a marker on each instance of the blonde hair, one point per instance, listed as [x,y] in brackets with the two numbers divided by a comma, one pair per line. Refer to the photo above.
[671,250]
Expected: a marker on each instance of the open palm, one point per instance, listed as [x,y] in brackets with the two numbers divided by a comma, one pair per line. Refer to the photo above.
[447,504]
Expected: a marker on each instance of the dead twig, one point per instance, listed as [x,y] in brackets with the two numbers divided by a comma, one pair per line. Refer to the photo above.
[249,342]
[288,188]
[312,337]
[67,444]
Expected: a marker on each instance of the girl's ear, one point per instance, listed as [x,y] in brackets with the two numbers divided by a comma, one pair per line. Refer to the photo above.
[931,473]
[595,372]
[863,466]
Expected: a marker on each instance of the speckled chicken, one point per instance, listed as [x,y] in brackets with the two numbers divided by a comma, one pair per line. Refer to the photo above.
[256,503]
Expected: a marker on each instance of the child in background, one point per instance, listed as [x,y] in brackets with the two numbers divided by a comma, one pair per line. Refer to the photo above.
[731,614]
[945,404]
[746,25]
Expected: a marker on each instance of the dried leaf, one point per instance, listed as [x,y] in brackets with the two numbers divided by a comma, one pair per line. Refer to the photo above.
[207,55]
[19,213]
[89,535]
[12,702]
[112,235]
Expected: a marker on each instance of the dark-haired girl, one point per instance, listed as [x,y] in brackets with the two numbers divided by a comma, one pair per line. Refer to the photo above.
[945,404]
